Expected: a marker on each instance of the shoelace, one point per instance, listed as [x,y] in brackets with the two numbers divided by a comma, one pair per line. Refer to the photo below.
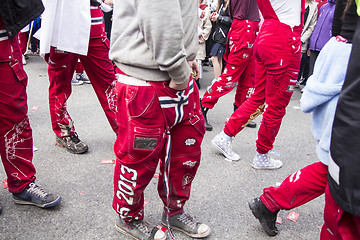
[187,220]
[36,190]
[143,228]
[74,138]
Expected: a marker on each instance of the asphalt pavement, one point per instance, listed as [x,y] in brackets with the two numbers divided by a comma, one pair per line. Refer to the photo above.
[220,190]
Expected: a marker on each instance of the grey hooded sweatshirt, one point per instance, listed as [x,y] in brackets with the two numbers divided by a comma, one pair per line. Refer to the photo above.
[152,40]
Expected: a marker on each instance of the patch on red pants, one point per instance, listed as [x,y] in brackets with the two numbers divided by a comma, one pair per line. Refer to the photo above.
[145,143]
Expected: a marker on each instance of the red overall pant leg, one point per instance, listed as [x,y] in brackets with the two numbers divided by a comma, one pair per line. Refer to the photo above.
[79,67]
[23,38]
[16,143]
[101,73]
[297,189]
[338,223]
[61,69]
[239,64]
[141,143]
[277,65]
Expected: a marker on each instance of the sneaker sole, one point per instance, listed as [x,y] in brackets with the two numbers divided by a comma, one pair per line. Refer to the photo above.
[71,151]
[223,152]
[265,168]
[198,235]
[46,205]
[120,230]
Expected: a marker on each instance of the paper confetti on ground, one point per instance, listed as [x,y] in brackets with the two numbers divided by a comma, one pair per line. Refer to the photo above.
[107,161]
[146,202]
[296,107]
[35,108]
[5,184]
[156,175]
[35,149]
[279,220]
[293,216]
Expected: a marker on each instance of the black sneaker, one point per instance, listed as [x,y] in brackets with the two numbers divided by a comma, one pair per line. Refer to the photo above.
[140,230]
[251,124]
[265,216]
[72,143]
[186,224]
[82,78]
[204,110]
[35,195]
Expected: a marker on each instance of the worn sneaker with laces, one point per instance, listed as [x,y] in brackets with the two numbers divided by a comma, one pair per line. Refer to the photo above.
[72,143]
[263,161]
[35,195]
[82,78]
[74,81]
[266,218]
[140,230]
[222,142]
[186,224]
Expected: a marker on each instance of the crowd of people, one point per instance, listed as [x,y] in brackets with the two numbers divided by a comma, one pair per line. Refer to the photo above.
[147,80]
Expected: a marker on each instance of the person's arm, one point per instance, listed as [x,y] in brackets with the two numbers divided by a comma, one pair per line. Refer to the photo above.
[162,26]
[306,35]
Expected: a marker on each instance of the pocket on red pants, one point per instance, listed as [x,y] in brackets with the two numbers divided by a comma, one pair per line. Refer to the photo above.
[18,70]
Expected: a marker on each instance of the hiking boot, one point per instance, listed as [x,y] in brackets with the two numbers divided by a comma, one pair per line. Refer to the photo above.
[222,142]
[35,195]
[74,81]
[186,224]
[204,110]
[82,78]
[140,230]
[72,143]
[265,216]
[263,161]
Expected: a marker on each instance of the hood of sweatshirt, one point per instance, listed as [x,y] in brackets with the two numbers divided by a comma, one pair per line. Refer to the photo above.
[328,77]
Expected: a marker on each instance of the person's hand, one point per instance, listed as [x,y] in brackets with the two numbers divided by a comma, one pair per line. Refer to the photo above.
[308,52]
[194,71]
[214,17]
[202,15]
[108,2]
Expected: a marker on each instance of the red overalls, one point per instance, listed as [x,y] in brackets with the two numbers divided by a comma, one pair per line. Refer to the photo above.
[277,53]
[156,123]
[16,144]
[99,69]
[240,64]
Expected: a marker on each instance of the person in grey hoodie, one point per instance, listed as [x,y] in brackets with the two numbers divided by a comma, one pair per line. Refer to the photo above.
[154,44]
[320,97]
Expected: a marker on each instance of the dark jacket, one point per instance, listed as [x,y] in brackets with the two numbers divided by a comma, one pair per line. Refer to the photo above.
[16,14]
[222,26]
[344,165]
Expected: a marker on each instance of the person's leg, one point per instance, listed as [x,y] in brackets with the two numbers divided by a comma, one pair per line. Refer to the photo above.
[16,141]
[217,66]
[313,56]
[137,149]
[338,224]
[61,69]
[101,73]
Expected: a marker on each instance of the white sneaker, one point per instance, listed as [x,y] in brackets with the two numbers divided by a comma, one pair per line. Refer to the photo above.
[263,161]
[223,143]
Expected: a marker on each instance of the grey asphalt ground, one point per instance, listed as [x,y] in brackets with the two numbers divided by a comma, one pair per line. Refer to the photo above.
[220,190]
